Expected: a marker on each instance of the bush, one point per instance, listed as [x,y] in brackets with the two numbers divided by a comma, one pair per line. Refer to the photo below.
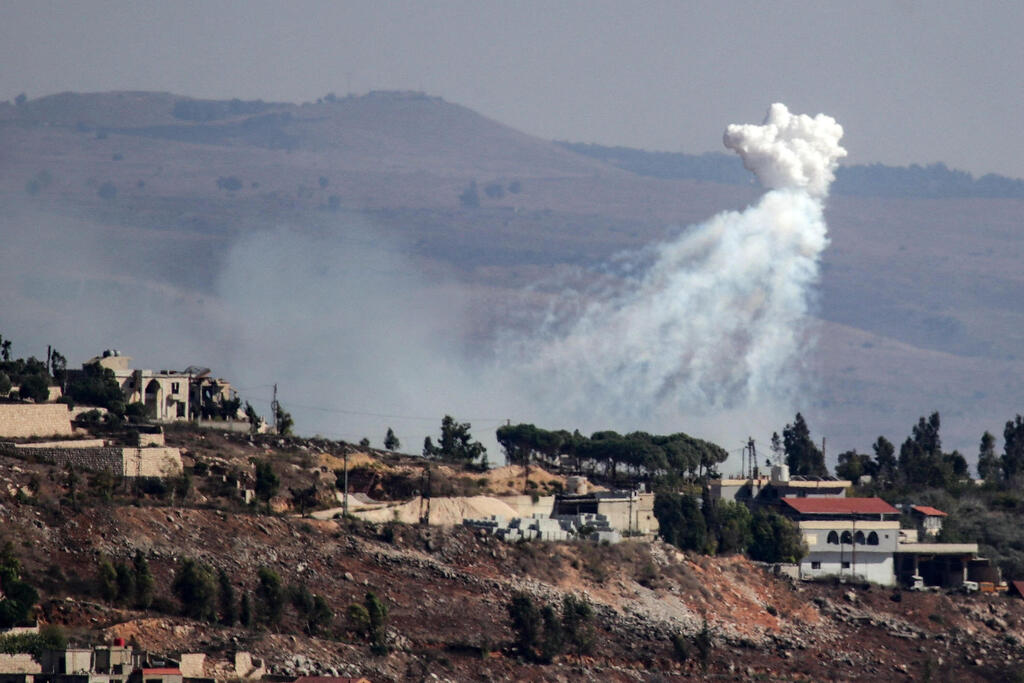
[196,588]
[270,594]
[35,387]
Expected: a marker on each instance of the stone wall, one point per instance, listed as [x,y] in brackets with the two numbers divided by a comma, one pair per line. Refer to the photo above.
[22,420]
[128,462]
[19,664]
[151,462]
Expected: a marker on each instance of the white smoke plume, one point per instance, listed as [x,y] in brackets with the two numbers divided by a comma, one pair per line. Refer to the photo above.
[716,322]
[789,151]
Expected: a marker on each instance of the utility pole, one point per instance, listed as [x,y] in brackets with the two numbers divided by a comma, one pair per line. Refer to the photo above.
[822,448]
[273,410]
[752,459]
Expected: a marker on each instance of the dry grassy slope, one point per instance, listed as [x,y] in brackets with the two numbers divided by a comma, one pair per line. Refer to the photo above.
[914,276]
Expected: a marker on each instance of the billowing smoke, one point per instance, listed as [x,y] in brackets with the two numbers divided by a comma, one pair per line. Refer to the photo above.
[704,333]
[789,151]
[711,324]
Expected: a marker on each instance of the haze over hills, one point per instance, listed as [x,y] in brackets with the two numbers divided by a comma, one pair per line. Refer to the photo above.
[342,249]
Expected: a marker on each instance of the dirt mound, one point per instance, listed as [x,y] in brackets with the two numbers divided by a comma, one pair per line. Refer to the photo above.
[443,511]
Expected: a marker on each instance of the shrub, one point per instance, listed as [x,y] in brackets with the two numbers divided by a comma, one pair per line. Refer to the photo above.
[270,594]
[195,587]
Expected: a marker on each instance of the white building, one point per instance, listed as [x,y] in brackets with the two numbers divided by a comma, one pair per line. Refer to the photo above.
[854,537]
[168,395]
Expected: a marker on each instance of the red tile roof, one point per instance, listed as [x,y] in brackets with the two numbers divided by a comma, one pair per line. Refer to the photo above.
[1019,585]
[162,671]
[928,511]
[840,506]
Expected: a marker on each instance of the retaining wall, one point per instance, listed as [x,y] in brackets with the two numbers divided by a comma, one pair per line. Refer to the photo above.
[128,462]
[22,420]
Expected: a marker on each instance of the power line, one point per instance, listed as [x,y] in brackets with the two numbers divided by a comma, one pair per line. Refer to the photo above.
[385,415]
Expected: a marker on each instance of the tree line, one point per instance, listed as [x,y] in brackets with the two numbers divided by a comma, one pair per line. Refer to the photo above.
[664,460]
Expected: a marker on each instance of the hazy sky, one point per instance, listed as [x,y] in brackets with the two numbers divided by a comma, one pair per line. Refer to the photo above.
[910,81]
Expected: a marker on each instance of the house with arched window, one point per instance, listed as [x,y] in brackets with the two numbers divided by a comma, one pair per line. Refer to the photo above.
[853,537]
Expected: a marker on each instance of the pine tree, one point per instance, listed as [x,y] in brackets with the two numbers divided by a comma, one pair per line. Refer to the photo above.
[391,441]
[144,581]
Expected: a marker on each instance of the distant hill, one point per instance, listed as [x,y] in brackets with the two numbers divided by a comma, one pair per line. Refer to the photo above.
[872,180]
[123,211]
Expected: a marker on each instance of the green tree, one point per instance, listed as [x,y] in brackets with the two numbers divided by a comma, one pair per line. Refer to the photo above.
[577,625]
[106,579]
[391,441]
[734,532]
[319,617]
[34,387]
[429,449]
[802,456]
[457,443]
[254,419]
[125,582]
[378,613]
[145,584]
[680,521]
[1013,449]
[304,498]
[526,624]
[271,596]
[245,611]
[267,482]
[988,461]
[5,385]
[553,642]
[196,588]
[885,459]
[5,349]
[96,386]
[226,594]
[19,597]
[852,465]
[775,538]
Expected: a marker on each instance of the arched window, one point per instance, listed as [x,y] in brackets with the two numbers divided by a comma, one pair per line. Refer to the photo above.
[847,538]
[859,538]
[833,538]
[872,538]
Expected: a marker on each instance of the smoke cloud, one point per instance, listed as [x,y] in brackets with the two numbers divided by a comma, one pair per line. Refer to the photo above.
[789,151]
[704,333]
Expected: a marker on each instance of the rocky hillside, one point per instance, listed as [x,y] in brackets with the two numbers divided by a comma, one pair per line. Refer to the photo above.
[447,591]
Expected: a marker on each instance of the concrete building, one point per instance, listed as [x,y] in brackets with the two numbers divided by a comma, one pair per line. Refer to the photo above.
[769,490]
[169,395]
[929,518]
[854,537]
[629,512]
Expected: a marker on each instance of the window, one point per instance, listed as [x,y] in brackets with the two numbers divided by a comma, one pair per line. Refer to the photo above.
[816,565]
[846,565]
[174,387]
[859,538]
[847,538]
[873,538]
[833,538]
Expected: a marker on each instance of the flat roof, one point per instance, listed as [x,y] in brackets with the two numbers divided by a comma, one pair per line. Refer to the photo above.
[937,548]
[840,506]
